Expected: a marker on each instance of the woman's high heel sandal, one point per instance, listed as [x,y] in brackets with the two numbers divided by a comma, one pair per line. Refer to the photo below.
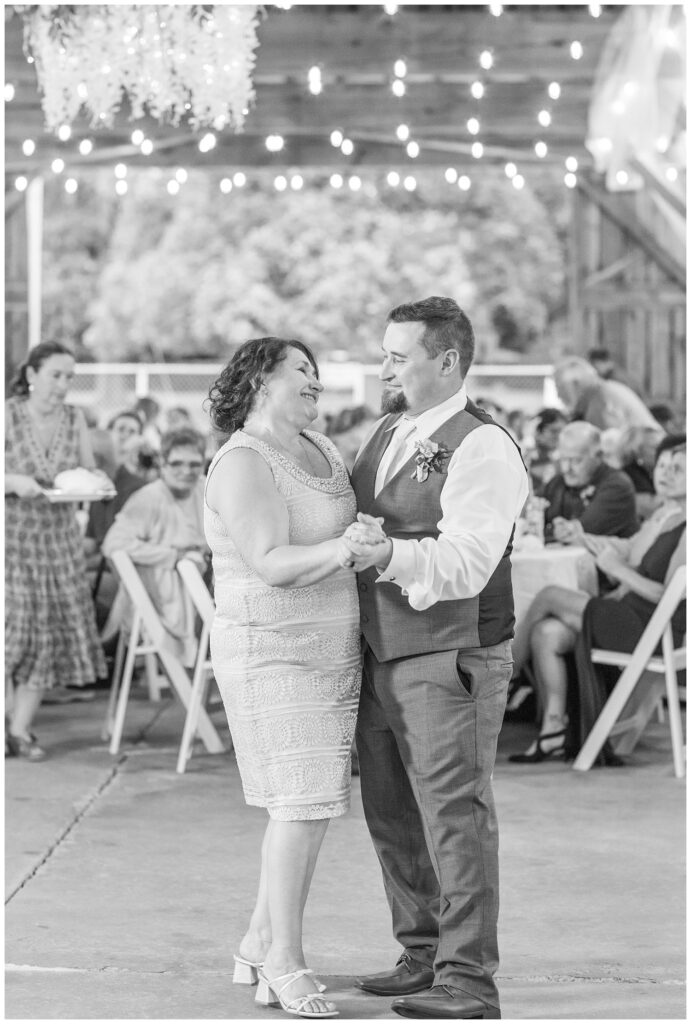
[270,993]
[542,754]
[246,972]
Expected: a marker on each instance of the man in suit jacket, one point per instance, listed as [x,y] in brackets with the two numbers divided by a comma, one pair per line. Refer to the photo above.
[437,616]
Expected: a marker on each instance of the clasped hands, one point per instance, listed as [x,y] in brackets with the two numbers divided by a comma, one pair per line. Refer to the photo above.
[364,544]
[570,531]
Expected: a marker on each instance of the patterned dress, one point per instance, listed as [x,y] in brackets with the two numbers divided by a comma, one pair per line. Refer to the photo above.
[287,659]
[50,626]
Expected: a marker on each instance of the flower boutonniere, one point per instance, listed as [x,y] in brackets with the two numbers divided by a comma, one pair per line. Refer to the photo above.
[586,494]
[429,456]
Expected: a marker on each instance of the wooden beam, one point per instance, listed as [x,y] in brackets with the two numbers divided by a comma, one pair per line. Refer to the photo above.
[625,218]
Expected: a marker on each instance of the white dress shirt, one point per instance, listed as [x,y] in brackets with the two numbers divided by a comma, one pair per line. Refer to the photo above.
[486,487]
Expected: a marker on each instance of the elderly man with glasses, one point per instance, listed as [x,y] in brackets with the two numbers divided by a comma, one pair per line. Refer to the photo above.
[157,526]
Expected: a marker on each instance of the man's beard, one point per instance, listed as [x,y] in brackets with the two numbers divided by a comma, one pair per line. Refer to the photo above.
[393,401]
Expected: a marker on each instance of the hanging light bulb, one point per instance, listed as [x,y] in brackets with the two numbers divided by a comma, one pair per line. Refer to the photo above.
[554,90]
[314,80]
[173,187]
[413,150]
[541,149]
[225,185]
[336,138]
[9,92]
[477,149]
[545,118]
[518,181]
[121,186]
[137,137]
[64,132]
[181,175]
[280,183]
[464,182]
[576,50]
[477,89]
[451,175]
[57,166]
[347,147]
[336,181]
[296,182]
[85,147]
[398,87]
[147,147]
[354,183]
[570,180]
[473,126]
[71,185]
[393,179]
[400,68]
[120,170]
[510,170]
[486,59]
[274,143]
[21,183]
[403,132]
[571,164]
[410,183]
[239,179]
[28,147]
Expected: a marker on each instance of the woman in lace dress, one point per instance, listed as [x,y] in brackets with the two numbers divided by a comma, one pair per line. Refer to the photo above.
[285,641]
[50,625]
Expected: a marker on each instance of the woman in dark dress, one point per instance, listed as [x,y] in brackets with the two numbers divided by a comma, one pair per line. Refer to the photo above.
[563,621]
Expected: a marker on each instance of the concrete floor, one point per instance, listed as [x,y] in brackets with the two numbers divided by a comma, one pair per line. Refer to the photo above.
[128,886]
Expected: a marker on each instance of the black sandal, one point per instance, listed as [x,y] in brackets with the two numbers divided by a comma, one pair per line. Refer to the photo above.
[538,755]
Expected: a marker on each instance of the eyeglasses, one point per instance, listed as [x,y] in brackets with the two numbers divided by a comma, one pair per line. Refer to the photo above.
[178,464]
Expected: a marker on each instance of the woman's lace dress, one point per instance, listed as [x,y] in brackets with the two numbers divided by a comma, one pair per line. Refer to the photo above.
[287,659]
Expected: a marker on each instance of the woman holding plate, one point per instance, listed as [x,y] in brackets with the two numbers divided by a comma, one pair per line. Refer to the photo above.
[50,627]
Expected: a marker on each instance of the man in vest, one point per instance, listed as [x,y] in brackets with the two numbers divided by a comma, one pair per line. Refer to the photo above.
[437,616]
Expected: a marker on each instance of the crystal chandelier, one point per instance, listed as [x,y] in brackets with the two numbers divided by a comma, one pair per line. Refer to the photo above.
[171,62]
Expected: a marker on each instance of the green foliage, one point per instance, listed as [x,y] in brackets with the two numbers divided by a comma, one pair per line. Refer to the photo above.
[194,275]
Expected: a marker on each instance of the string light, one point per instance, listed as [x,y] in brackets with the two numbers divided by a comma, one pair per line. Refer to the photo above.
[274,143]
[478,90]
[239,179]
[400,68]
[336,181]
[473,126]
[413,150]
[495,9]
[595,10]
[64,132]
[554,90]
[486,59]
[576,50]
[570,180]
[206,143]
[336,138]
[28,147]
[85,147]
[571,164]
[464,182]
[541,149]
[393,179]
[391,9]
[120,171]
[671,174]
[347,147]
[147,146]
[314,80]
[296,182]
[9,92]
[137,137]
[409,183]
[545,118]
[58,165]
[181,175]
[21,183]
[451,175]
[403,132]
[225,185]
[622,178]
[173,187]
[354,183]
[510,170]
[477,149]
[398,87]
[518,181]
[121,186]
[71,185]
[280,183]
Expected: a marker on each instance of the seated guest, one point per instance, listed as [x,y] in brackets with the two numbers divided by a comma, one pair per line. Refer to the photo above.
[157,526]
[610,444]
[541,456]
[122,428]
[602,499]
[560,620]
[604,403]
[638,448]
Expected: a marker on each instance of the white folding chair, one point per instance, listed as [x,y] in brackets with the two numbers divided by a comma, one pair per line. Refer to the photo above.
[204,605]
[641,662]
[147,636]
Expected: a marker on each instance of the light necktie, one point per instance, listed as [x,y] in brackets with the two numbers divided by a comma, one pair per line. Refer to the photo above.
[396,454]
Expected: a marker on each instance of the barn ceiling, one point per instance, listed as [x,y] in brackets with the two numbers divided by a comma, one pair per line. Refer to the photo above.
[355,48]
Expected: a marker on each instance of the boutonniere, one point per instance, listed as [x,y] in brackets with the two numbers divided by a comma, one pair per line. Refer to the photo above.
[429,456]
[586,494]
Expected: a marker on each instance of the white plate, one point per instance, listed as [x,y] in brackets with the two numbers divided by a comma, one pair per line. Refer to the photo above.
[54,495]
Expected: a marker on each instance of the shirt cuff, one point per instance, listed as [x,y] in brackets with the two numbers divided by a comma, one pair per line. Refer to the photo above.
[401,568]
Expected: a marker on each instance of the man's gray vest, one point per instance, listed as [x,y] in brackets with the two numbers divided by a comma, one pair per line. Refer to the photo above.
[411,510]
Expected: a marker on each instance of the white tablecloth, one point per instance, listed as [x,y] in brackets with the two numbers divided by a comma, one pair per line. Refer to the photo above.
[533,569]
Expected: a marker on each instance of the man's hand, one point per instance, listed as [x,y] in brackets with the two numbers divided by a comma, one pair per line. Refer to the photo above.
[567,531]
[367,529]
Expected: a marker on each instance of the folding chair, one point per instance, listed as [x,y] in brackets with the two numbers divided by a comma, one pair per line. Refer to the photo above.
[204,605]
[643,661]
[147,636]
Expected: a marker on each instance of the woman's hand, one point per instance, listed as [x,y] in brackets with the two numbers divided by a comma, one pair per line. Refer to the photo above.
[23,486]
[595,543]
[366,530]
[567,531]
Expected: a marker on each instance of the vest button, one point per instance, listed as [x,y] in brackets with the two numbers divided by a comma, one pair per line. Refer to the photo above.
[364,618]
[363,587]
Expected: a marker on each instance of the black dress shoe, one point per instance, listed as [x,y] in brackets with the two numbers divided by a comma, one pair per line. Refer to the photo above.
[444,1002]
[408,976]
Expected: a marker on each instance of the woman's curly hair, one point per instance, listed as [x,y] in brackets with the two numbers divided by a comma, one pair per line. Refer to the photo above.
[233,393]
[35,359]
